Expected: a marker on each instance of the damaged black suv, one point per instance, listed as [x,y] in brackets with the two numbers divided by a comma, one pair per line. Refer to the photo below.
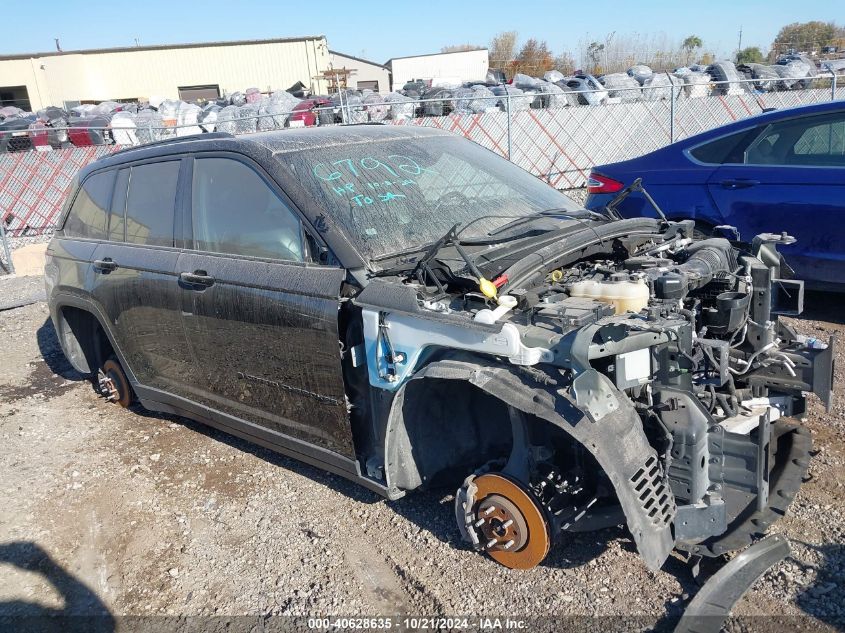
[407,309]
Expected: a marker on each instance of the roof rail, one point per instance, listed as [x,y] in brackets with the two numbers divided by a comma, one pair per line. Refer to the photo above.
[173,141]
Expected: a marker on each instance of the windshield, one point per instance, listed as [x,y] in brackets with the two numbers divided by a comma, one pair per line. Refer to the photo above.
[395,195]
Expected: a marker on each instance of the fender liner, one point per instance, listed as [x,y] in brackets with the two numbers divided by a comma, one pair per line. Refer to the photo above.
[617,441]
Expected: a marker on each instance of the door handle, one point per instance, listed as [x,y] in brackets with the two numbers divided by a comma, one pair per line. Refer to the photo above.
[105,265]
[739,183]
[197,278]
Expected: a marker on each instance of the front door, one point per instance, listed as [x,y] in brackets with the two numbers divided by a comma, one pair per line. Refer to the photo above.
[793,180]
[261,320]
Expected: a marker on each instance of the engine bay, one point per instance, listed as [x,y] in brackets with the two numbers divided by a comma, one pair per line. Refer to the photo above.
[629,318]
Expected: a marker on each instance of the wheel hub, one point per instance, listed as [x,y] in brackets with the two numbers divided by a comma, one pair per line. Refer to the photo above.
[107,387]
[503,519]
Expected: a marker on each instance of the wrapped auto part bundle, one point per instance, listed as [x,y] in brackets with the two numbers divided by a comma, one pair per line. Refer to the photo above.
[437,102]
[208,117]
[641,73]
[227,120]
[53,116]
[84,110]
[351,107]
[169,111]
[401,106]
[462,98]
[726,78]
[266,120]
[524,82]
[659,86]
[766,78]
[495,76]
[106,108]
[237,99]
[326,112]
[187,119]
[696,84]
[552,95]
[483,100]
[123,128]
[10,112]
[802,70]
[252,95]
[375,106]
[49,128]
[621,86]
[247,119]
[281,105]
[150,126]
[553,76]
[512,98]
[569,93]
[790,74]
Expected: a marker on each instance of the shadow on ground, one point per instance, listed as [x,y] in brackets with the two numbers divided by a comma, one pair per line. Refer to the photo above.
[51,352]
[82,609]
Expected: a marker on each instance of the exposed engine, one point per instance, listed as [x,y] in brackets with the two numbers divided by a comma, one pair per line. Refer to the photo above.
[631,320]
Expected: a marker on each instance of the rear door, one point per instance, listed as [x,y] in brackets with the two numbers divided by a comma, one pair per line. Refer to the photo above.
[134,274]
[262,320]
[792,178]
[72,251]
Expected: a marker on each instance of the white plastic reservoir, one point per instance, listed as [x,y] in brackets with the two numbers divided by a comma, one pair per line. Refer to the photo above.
[626,296]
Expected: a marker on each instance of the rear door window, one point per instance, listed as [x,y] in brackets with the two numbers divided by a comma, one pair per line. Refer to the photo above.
[87,216]
[726,150]
[150,203]
[118,207]
[234,211]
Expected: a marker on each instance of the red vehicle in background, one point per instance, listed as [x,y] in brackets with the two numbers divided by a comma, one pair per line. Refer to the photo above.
[310,112]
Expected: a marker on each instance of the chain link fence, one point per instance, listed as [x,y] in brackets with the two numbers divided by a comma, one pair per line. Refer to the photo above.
[557,136]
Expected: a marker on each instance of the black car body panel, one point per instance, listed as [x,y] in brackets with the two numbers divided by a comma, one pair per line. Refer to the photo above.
[401,307]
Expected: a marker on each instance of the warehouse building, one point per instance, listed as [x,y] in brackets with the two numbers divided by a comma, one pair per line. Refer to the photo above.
[459,66]
[362,73]
[185,71]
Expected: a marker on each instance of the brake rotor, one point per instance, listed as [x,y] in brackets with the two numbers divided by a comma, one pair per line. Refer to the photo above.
[512,527]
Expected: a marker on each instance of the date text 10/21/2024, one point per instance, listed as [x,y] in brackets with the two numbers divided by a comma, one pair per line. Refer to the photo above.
[419,623]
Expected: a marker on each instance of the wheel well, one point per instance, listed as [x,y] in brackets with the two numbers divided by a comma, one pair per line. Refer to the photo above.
[83,339]
[447,430]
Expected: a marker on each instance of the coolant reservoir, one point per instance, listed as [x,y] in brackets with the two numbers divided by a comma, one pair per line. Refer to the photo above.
[626,296]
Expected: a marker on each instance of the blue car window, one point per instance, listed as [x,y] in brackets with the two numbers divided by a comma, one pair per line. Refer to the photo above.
[724,150]
[817,141]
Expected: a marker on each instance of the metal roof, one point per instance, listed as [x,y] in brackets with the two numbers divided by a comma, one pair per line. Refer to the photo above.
[474,50]
[358,59]
[160,47]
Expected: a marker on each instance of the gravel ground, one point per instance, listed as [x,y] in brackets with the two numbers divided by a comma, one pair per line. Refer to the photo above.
[126,512]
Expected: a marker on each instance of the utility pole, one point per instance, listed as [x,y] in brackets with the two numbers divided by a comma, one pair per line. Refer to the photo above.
[739,46]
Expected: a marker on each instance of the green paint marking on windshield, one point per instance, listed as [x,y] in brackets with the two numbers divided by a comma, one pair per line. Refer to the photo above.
[346,168]
[368,162]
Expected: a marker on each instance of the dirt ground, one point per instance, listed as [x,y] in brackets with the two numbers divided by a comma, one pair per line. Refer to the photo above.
[124,512]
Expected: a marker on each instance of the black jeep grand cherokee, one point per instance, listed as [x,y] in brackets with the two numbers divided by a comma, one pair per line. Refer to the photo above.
[405,308]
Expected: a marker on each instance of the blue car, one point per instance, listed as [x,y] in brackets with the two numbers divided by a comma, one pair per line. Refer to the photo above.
[778,171]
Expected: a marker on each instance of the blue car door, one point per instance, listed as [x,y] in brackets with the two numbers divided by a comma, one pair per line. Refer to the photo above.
[792,179]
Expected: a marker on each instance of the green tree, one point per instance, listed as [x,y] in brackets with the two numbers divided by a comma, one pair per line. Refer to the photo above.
[750,55]
[804,37]
[690,45]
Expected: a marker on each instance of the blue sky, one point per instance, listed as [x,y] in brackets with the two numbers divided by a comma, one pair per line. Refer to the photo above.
[394,28]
